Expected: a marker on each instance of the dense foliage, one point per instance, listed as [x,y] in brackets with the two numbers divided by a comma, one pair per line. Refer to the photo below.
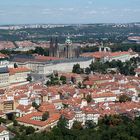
[124,98]
[38,50]
[114,48]
[2,120]
[126,68]
[109,128]
[77,69]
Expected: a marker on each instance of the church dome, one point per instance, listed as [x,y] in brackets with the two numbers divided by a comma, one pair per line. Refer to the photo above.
[68,41]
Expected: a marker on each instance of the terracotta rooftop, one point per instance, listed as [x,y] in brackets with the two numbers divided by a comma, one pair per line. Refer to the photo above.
[3,55]
[46,58]
[137,70]
[2,129]
[103,54]
[24,108]
[46,106]
[102,95]
[28,119]
[18,70]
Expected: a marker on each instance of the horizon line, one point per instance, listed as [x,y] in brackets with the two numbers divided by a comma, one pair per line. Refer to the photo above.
[14,24]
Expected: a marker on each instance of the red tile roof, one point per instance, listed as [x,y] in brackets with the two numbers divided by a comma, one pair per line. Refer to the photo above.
[28,119]
[90,83]
[2,129]
[18,70]
[103,54]
[102,95]
[137,70]
[46,58]
[68,114]
[1,112]
[46,106]
[24,108]
[3,55]
[89,110]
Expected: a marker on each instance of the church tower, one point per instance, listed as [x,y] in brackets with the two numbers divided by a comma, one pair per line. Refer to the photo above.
[56,48]
[51,48]
[68,44]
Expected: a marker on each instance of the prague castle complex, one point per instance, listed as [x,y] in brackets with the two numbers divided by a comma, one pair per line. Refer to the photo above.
[67,50]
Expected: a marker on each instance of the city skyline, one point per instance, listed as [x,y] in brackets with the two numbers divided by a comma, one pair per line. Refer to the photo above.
[69,12]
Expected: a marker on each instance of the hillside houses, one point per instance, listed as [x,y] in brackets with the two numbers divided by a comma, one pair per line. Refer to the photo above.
[88,103]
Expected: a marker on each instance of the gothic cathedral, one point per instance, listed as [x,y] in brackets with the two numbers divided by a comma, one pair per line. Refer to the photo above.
[67,50]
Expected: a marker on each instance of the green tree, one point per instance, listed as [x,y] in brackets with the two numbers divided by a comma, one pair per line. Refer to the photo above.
[77,125]
[90,124]
[35,105]
[29,78]
[29,130]
[15,123]
[87,70]
[89,98]
[15,65]
[39,50]
[62,123]
[124,98]
[63,79]
[2,120]
[48,83]
[45,116]
[79,85]
[77,69]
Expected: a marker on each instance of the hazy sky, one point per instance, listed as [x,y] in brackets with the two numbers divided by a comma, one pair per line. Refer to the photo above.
[69,11]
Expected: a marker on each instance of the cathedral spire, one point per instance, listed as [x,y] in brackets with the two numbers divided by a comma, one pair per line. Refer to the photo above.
[51,42]
[51,47]
[56,42]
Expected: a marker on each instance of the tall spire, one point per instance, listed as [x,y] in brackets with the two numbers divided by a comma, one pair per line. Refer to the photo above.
[56,42]
[51,47]
[56,47]
[51,42]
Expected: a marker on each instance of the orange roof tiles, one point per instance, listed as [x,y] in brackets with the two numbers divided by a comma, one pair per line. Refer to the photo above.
[102,95]
[103,54]
[70,75]
[68,114]
[28,119]
[18,70]
[6,44]
[24,108]
[46,106]
[3,55]
[107,112]
[2,129]
[1,112]
[89,110]
[46,58]
[137,70]
[91,83]
[125,106]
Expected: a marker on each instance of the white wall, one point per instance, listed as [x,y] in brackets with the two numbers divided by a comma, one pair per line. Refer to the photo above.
[41,68]
[66,67]
[4,135]
[103,99]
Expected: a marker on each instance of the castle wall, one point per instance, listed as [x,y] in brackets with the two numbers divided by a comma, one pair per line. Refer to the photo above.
[65,67]
[48,68]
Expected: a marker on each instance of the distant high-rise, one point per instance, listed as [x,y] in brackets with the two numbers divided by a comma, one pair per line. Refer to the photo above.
[67,50]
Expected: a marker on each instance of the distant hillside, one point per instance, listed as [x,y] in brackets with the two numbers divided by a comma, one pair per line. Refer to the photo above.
[79,33]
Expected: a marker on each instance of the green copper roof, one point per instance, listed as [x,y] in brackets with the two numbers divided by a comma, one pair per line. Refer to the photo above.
[68,41]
